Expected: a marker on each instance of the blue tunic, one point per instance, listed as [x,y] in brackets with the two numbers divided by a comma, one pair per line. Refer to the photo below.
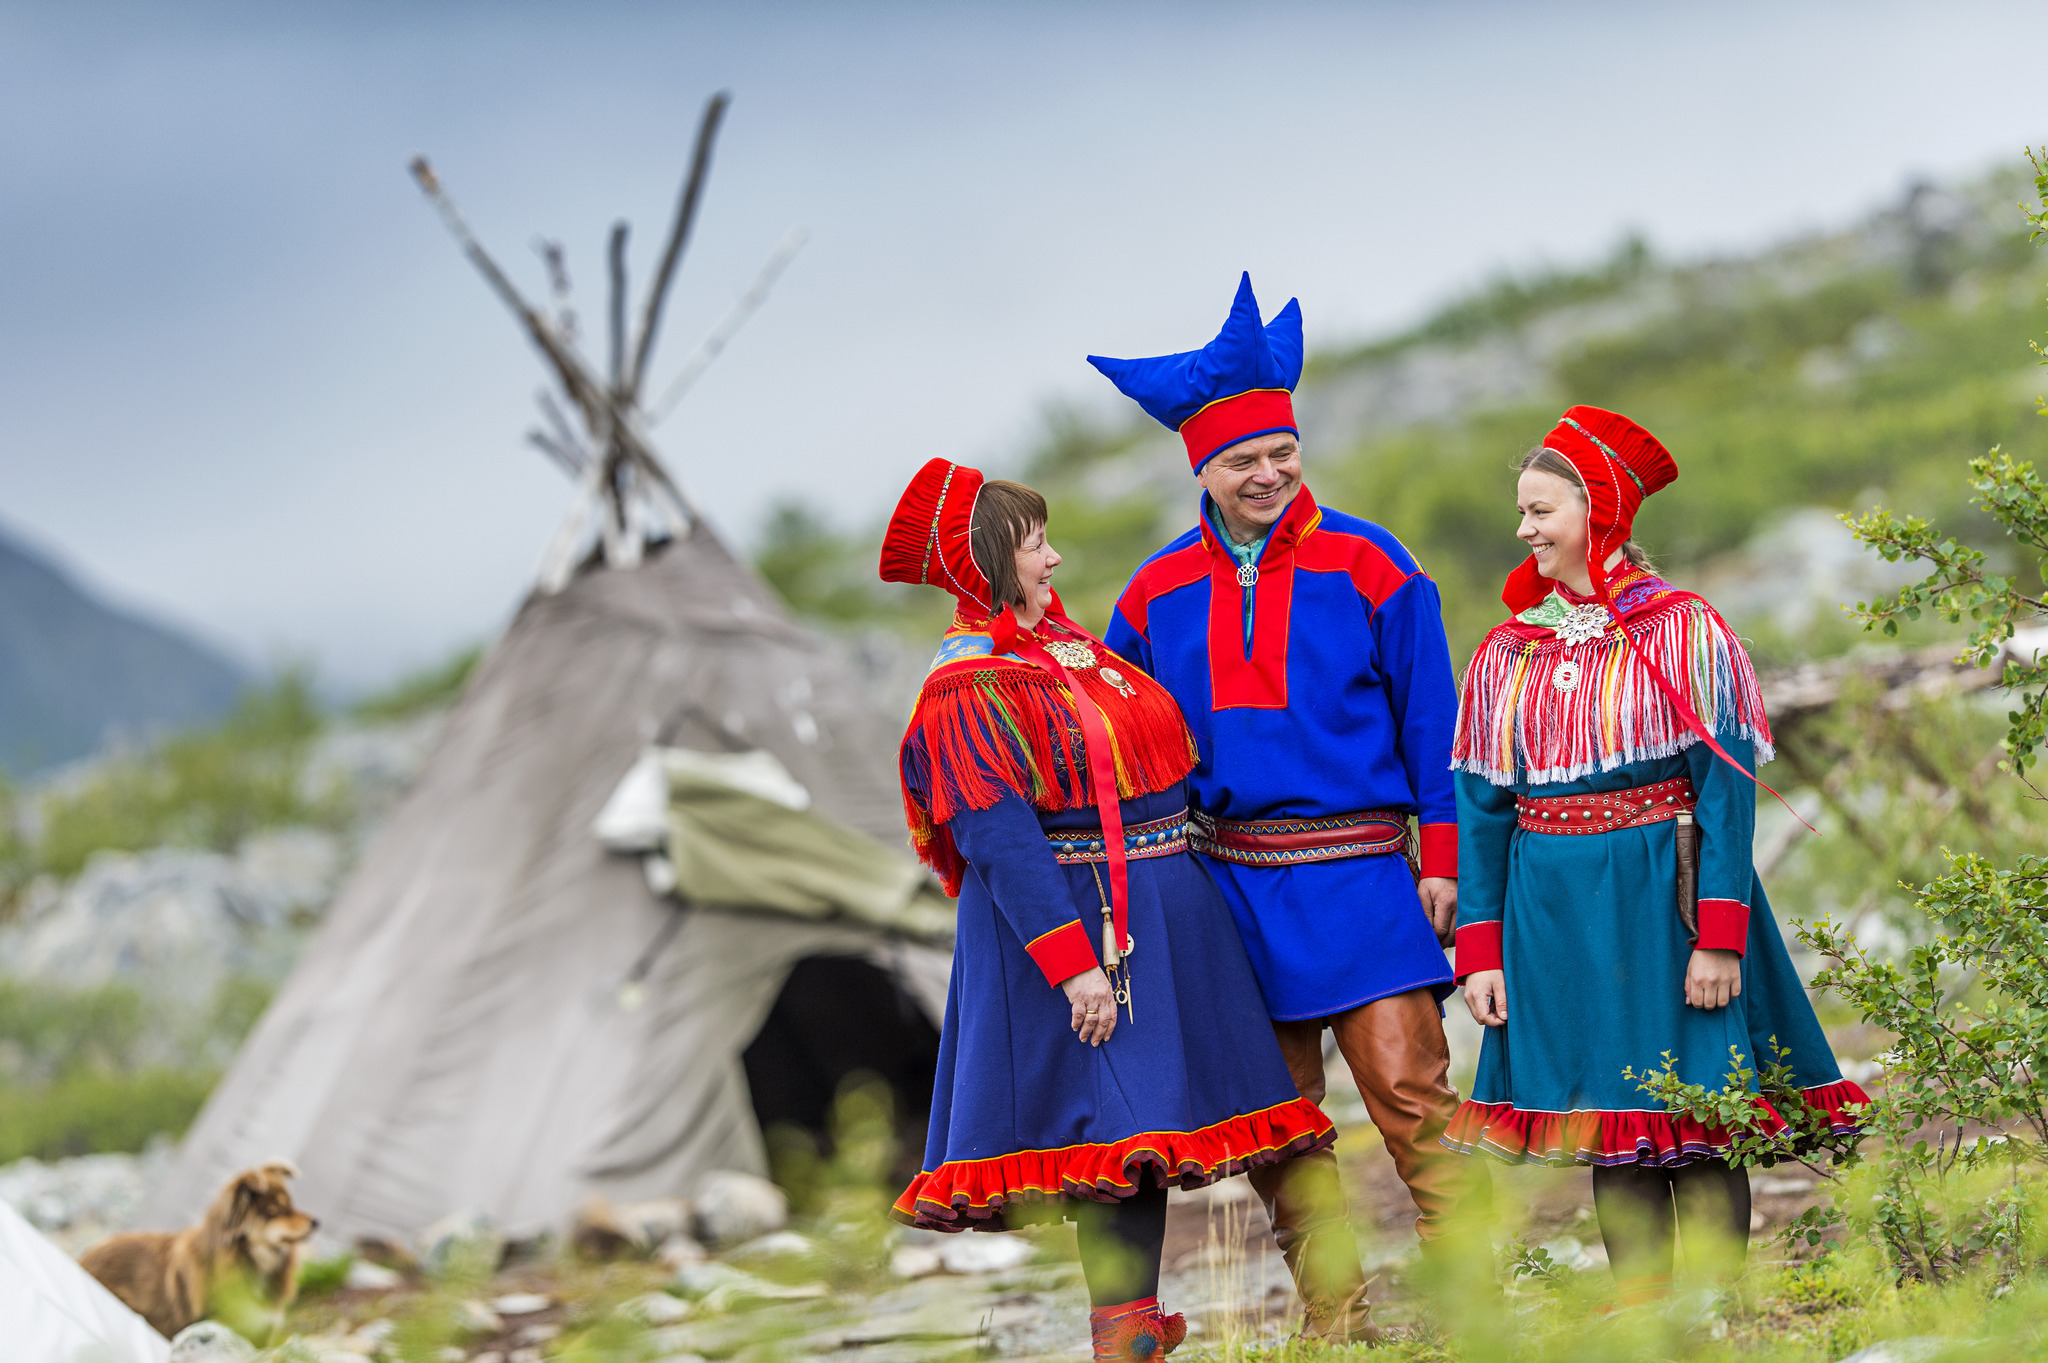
[1336,697]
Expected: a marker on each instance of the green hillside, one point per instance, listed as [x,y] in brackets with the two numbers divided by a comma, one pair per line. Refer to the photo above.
[1826,372]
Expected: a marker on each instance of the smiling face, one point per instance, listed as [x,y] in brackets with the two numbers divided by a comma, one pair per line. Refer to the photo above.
[1554,527]
[1035,561]
[1252,482]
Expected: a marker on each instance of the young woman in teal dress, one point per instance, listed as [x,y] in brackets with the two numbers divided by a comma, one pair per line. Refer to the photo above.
[1608,711]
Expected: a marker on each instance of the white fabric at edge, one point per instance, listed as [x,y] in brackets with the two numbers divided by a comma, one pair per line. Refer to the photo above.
[56,1312]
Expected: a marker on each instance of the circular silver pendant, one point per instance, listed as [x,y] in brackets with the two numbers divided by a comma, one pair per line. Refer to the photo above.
[1566,678]
[1115,678]
[1248,575]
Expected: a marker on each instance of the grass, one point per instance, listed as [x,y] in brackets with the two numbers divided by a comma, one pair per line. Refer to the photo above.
[103,1069]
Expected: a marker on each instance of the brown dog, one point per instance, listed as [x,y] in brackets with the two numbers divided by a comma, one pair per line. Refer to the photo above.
[252,1235]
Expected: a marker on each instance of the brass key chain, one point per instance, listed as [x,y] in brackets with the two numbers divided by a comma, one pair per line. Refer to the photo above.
[1112,958]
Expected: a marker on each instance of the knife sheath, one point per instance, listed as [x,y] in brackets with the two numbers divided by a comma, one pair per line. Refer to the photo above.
[1687,837]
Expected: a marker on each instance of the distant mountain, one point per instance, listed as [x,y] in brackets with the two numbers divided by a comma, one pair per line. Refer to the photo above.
[73,669]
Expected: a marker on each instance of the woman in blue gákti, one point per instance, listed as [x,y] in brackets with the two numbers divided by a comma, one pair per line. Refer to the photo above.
[1607,714]
[1072,910]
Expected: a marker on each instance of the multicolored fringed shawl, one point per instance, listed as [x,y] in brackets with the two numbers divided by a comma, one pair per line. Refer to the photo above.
[991,723]
[1557,693]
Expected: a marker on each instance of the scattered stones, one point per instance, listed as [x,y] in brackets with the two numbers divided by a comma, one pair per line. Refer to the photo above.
[1783,1187]
[177,923]
[679,1250]
[733,1207]
[916,1261]
[521,1303]
[605,1230]
[475,1318]
[782,1244]
[655,1308]
[210,1342]
[79,1201]
[539,1334]
[719,1287]
[365,1276]
[1911,1350]
[387,1253]
[466,1237]
[1570,1252]
[984,1253]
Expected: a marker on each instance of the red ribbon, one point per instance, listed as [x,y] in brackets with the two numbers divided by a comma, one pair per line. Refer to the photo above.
[1101,770]
[1678,702]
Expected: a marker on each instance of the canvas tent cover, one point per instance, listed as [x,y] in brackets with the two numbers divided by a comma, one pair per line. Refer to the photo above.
[456,1037]
[53,1311]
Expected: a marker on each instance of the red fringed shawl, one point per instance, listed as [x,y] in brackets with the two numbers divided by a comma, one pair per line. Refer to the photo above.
[1516,723]
[993,724]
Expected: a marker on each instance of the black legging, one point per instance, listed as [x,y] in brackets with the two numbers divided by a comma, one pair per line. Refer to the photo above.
[1121,1243]
[1642,1210]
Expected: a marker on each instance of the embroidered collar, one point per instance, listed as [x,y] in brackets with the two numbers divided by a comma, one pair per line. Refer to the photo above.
[1631,588]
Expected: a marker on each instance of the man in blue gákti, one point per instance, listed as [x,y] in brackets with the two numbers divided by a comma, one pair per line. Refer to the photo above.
[1307,649]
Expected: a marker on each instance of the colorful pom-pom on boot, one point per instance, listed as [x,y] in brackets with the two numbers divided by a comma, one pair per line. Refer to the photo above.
[1135,1332]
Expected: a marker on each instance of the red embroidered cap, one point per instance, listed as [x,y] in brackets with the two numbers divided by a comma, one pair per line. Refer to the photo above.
[928,537]
[1620,464]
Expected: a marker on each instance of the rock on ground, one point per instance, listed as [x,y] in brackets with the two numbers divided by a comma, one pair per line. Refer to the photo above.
[79,1201]
[173,922]
[210,1342]
[733,1207]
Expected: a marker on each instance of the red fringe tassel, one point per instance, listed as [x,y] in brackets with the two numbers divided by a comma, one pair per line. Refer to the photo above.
[1608,1138]
[961,1192]
[995,725]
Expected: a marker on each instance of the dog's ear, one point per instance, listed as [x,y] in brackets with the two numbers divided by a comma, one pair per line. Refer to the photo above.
[248,1187]
[279,1168]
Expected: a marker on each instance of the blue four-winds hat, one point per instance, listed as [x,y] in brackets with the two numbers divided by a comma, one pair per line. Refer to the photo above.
[1239,385]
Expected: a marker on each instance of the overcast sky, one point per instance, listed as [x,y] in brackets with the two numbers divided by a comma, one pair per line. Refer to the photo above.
[247,383]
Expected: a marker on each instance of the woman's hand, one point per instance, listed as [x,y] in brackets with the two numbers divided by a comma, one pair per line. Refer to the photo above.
[1094,1005]
[1712,977]
[1486,994]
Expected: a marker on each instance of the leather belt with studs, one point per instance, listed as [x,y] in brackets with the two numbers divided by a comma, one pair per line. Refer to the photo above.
[1606,811]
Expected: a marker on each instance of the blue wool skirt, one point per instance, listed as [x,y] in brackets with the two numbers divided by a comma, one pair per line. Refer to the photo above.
[1193,1087]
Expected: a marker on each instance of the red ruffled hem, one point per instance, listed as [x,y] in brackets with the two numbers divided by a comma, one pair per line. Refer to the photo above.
[976,1191]
[1607,1138]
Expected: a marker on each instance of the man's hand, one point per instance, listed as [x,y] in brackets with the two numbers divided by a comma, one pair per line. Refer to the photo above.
[1439,896]
[1713,977]
[1486,994]
[1094,1005]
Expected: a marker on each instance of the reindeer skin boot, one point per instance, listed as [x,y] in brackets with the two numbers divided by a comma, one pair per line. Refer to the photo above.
[1135,1331]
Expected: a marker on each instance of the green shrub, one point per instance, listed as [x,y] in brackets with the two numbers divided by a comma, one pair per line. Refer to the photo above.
[430,688]
[204,788]
[92,1111]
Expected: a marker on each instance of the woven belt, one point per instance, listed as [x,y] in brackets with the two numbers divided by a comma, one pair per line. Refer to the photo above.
[1606,811]
[1284,842]
[1160,838]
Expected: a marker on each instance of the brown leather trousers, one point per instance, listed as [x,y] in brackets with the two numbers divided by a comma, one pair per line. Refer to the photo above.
[1396,1050]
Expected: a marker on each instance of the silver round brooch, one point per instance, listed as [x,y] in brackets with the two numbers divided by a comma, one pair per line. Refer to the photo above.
[1566,678]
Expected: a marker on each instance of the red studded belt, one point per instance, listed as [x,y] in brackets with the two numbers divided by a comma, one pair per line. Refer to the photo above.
[1606,811]
[1288,842]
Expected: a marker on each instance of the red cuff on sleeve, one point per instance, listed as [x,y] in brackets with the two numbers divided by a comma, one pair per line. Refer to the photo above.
[1439,849]
[1478,948]
[1724,925]
[1063,953]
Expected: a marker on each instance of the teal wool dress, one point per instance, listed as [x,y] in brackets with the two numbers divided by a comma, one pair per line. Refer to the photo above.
[1585,925]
